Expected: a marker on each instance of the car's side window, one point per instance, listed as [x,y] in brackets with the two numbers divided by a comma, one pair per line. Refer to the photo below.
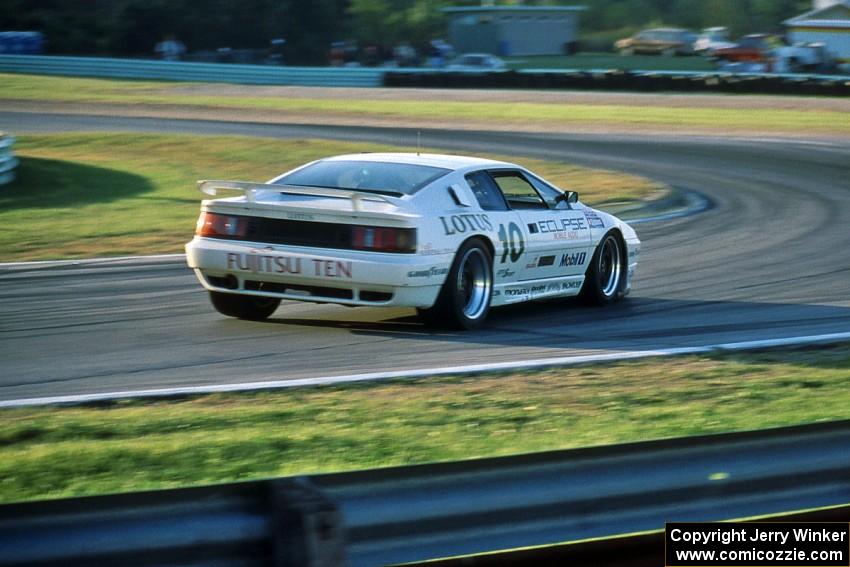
[546,191]
[486,191]
[518,191]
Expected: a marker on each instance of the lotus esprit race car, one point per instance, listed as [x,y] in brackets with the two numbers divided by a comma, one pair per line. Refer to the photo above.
[449,235]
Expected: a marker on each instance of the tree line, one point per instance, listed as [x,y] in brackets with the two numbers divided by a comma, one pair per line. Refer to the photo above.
[133,27]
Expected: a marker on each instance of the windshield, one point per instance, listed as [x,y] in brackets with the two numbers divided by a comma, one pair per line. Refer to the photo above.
[374,176]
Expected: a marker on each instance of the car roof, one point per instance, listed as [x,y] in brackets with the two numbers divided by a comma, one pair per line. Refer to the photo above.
[445,161]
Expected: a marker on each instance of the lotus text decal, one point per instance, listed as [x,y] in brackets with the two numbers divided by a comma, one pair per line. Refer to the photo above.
[458,224]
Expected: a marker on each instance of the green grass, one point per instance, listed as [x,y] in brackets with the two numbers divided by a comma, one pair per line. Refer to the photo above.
[611,61]
[85,195]
[171,95]
[56,451]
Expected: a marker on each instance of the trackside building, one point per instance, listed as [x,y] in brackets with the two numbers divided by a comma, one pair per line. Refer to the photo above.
[829,25]
[514,30]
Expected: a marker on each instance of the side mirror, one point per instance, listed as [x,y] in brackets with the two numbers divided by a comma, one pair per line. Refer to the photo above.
[569,197]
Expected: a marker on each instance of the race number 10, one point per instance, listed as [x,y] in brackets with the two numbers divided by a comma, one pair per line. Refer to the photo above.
[512,242]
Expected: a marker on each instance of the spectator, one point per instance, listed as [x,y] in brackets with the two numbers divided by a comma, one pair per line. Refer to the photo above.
[170,49]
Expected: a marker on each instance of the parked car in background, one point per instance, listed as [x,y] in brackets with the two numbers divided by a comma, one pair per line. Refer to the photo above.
[753,48]
[21,43]
[803,58]
[477,62]
[659,41]
[712,39]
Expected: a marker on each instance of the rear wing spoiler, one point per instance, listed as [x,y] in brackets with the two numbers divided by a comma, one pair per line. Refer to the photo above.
[250,190]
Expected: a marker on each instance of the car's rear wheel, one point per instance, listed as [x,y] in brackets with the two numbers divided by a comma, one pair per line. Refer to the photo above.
[464,300]
[243,306]
[606,276]
[627,51]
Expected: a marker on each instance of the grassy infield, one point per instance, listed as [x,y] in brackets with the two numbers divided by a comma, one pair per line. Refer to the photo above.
[82,195]
[85,195]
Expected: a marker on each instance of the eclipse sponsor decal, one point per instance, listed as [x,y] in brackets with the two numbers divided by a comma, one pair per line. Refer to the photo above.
[459,224]
[561,225]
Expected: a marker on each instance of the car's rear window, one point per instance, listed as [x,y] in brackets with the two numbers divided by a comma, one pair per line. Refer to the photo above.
[374,176]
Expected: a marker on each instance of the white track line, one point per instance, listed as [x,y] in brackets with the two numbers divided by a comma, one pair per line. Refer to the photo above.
[402,374]
[91,262]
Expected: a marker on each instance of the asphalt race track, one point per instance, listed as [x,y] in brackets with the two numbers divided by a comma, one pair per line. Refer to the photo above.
[771,259]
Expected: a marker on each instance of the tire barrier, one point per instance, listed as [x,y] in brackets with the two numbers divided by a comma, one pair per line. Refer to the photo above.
[614,80]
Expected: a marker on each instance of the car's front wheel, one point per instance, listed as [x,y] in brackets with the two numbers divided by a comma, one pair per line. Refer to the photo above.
[605,279]
[243,306]
[464,300]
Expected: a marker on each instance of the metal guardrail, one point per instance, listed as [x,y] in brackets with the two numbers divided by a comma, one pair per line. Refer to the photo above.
[417,513]
[8,161]
[184,71]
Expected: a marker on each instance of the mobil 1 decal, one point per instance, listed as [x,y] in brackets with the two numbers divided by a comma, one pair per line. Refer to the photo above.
[576,259]
[459,224]
[513,244]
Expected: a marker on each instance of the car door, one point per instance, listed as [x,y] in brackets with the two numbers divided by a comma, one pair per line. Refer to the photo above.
[556,238]
[507,224]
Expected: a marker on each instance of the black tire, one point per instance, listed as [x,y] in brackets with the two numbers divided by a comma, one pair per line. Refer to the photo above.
[464,300]
[605,279]
[243,306]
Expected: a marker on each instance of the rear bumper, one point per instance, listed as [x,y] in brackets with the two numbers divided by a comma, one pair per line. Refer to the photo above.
[317,275]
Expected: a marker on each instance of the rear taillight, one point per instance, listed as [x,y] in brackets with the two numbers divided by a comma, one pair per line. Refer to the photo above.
[214,224]
[383,239]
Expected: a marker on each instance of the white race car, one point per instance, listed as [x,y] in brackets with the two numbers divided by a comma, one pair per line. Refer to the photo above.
[449,235]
